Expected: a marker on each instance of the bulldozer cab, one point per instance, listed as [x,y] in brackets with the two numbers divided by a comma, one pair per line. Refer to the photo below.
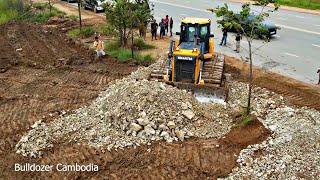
[194,32]
[192,62]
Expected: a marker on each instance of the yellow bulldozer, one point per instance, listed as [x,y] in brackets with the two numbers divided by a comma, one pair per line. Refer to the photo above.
[192,62]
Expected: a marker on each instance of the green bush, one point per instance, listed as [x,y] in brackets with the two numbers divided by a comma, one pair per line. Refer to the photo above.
[107,30]
[112,45]
[140,44]
[8,15]
[16,10]
[42,17]
[124,55]
[84,32]
[10,10]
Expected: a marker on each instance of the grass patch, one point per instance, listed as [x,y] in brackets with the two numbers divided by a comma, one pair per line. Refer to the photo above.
[84,32]
[140,44]
[10,10]
[8,15]
[17,10]
[43,15]
[307,4]
[73,17]
[125,55]
[106,30]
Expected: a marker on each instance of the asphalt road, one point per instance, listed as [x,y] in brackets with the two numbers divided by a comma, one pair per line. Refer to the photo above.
[294,51]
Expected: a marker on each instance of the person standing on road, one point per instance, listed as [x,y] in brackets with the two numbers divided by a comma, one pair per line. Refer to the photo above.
[238,39]
[99,46]
[162,28]
[171,26]
[224,37]
[166,23]
[154,29]
[319,75]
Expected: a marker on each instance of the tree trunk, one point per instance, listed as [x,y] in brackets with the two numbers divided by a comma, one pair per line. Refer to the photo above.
[132,55]
[121,37]
[125,37]
[50,6]
[250,79]
[79,10]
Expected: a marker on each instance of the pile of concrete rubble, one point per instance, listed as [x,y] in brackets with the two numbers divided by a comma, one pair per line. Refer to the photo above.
[130,113]
[292,151]
[134,112]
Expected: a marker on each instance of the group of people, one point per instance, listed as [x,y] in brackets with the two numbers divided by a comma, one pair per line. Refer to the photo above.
[238,39]
[225,36]
[165,25]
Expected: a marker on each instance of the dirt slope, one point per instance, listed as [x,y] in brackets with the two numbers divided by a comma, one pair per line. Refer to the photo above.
[48,77]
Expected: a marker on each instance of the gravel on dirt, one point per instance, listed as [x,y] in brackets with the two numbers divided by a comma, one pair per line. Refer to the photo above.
[292,151]
[134,111]
[130,113]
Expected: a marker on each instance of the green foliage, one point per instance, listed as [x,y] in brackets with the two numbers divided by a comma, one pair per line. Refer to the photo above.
[114,49]
[11,10]
[140,44]
[112,45]
[244,21]
[124,55]
[17,10]
[74,17]
[107,30]
[124,15]
[41,17]
[246,120]
[84,32]
[8,15]
[308,4]
[40,6]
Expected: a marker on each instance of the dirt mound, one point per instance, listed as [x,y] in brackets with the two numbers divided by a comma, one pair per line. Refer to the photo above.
[129,113]
[35,85]
[29,45]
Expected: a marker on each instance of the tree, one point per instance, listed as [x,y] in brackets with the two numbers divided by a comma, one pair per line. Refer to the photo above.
[248,24]
[125,15]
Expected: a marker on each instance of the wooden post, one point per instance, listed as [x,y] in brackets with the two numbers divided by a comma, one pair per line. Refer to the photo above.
[79,9]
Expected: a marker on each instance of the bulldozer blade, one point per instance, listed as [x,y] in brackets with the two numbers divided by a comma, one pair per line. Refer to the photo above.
[208,93]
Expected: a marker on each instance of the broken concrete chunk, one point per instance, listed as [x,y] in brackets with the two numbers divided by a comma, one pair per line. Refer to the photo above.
[188,114]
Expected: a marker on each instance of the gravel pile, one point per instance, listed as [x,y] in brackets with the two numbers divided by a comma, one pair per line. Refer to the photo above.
[292,151]
[134,111]
[128,114]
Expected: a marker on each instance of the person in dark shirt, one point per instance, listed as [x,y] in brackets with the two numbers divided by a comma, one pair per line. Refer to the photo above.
[224,37]
[162,28]
[154,29]
[171,26]
[238,39]
[319,76]
[166,23]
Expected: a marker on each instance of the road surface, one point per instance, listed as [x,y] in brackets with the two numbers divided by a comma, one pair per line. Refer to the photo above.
[293,52]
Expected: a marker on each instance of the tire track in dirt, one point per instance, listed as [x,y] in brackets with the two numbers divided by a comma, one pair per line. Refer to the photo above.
[39,88]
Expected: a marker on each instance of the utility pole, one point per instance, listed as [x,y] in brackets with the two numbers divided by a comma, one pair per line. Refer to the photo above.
[79,9]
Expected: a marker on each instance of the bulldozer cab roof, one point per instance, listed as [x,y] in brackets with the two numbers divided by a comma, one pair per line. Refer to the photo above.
[192,20]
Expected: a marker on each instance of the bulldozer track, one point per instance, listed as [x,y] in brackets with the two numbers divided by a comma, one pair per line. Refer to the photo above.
[212,72]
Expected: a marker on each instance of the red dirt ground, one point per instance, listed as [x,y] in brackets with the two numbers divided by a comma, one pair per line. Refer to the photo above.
[53,74]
